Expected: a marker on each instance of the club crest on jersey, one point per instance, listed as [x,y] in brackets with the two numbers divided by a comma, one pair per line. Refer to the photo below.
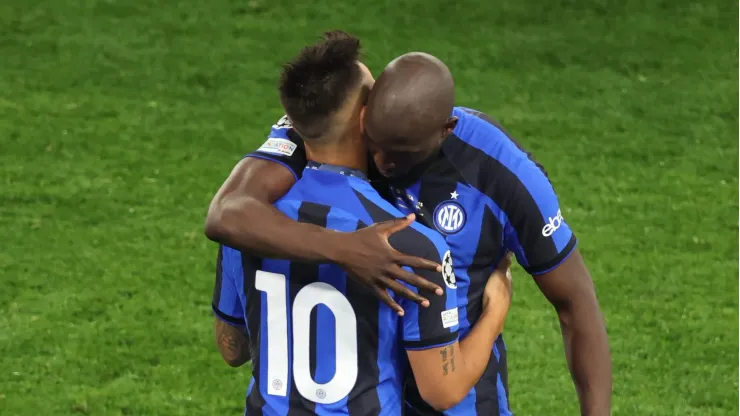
[448,272]
[449,217]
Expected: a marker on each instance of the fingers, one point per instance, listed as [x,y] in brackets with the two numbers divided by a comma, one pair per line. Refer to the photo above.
[407,293]
[505,262]
[417,281]
[386,298]
[393,226]
[417,262]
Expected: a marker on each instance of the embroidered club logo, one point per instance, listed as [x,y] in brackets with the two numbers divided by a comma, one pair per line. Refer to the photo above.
[449,217]
[448,272]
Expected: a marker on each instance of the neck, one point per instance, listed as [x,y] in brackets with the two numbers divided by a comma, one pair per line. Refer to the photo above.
[350,153]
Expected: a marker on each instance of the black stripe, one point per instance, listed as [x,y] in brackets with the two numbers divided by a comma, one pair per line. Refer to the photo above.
[216,300]
[446,339]
[363,398]
[486,393]
[301,275]
[492,178]
[250,265]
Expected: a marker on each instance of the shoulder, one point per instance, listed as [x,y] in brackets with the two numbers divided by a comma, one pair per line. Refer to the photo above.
[488,156]
[282,140]
[416,240]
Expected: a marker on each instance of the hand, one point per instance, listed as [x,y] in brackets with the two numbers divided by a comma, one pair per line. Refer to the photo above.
[499,290]
[368,257]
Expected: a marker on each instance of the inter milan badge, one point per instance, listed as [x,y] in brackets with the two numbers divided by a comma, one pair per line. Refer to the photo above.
[449,217]
[448,272]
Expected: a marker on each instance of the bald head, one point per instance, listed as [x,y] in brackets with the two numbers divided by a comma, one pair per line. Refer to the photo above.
[411,100]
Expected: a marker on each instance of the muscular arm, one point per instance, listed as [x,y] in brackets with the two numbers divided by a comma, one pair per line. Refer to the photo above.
[241,215]
[570,290]
[232,343]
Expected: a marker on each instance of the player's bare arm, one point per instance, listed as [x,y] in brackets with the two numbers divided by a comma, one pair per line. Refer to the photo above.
[445,375]
[571,291]
[241,215]
[232,343]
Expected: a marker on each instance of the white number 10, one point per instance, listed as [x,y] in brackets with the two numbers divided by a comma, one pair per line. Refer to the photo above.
[345,376]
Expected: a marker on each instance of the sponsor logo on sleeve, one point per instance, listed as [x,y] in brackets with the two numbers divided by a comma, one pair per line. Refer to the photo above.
[449,318]
[278,146]
[553,223]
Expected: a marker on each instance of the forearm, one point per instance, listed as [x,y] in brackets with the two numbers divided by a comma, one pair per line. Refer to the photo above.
[587,352]
[258,228]
[232,343]
[477,346]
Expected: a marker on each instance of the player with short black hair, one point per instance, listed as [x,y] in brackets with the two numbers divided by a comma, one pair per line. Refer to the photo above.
[320,342]
[317,82]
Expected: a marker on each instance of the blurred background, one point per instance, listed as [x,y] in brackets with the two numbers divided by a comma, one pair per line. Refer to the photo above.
[120,119]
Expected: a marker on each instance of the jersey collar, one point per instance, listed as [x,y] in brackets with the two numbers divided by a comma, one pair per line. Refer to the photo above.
[342,170]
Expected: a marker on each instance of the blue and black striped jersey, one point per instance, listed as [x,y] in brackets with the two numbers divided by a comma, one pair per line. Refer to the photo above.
[486,195]
[322,343]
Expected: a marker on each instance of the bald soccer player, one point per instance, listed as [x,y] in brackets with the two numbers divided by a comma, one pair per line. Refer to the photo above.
[460,173]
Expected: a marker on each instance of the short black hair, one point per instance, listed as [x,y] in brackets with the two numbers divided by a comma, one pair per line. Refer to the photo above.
[317,81]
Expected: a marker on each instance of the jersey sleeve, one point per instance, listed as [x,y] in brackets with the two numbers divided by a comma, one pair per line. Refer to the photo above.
[536,231]
[283,146]
[437,324]
[226,302]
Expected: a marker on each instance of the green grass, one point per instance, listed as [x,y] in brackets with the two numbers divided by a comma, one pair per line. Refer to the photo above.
[119,120]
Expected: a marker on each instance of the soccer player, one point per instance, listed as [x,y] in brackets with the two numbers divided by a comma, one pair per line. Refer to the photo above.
[321,343]
[459,172]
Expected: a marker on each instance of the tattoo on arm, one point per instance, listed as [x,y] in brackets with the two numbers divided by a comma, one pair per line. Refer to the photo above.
[448,359]
[232,343]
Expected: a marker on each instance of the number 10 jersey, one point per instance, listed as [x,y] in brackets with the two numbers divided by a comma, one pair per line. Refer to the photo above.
[322,343]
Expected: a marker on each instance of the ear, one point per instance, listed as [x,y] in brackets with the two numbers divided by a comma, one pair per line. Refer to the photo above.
[450,125]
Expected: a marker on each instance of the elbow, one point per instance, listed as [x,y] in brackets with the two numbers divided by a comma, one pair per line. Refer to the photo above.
[214,228]
[238,362]
[446,399]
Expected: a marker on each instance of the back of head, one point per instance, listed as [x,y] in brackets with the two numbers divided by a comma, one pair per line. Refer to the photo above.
[316,84]
[413,96]
[409,111]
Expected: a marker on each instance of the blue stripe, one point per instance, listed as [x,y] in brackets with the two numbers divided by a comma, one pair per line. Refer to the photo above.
[503,403]
[279,133]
